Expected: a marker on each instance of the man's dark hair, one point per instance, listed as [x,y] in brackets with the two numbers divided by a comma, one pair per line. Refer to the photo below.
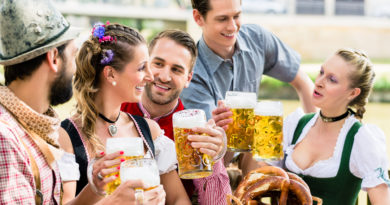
[26,68]
[180,37]
[203,6]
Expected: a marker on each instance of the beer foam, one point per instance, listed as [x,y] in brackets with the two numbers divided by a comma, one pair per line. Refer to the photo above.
[131,146]
[269,108]
[149,177]
[234,99]
[189,118]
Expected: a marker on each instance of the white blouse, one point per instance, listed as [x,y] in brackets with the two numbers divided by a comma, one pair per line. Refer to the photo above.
[69,168]
[368,156]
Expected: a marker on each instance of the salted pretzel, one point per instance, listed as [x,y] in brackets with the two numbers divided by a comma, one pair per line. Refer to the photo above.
[284,188]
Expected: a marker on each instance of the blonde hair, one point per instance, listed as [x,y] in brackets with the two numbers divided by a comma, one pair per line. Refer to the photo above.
[89,68]
[362,77]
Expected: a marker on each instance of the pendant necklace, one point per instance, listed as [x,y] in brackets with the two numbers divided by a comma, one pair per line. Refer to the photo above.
[112,129]
[334,119]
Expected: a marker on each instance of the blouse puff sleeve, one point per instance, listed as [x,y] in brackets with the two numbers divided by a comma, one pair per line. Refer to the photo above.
[369,157]
[165,154]
[69,168]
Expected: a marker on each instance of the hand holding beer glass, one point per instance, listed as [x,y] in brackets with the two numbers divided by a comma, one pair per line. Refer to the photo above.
[132,148]
[268,137]
[240,132]
[145,170]
[191,162]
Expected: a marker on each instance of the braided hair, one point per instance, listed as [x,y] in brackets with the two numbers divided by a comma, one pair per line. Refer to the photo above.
[89,67]
[362,77]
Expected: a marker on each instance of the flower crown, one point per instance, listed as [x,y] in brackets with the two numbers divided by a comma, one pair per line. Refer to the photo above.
[99,30]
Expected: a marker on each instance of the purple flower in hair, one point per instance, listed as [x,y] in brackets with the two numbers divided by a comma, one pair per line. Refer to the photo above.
[107,57]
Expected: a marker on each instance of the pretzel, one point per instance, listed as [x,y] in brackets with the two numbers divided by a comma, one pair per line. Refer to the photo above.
[258,174]
[283,187]
[297,178]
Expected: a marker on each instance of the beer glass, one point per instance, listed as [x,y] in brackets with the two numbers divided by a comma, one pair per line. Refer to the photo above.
[145,169]
[191,162]
[132,147]
[268,137]
[240,132]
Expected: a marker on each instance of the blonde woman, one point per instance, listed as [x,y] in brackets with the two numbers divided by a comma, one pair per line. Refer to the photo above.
[112,68]
[332,150]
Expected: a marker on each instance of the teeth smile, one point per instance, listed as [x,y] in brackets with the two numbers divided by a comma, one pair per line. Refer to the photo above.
[229,35]
[163,87]
[139,87]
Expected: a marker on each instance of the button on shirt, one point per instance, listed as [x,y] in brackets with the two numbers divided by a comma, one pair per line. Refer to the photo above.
[257,52]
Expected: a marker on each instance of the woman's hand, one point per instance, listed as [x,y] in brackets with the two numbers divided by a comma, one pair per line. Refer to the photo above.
[104,166]
[221,115]
[126,194]
[212,142]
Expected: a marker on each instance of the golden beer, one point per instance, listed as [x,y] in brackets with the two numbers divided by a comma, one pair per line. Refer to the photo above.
[132,147]
[145,169]
[268,136]
[191,162]
[240,132]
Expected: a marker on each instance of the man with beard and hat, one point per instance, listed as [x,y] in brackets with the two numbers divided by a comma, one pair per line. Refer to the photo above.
[173,54]
[37,51]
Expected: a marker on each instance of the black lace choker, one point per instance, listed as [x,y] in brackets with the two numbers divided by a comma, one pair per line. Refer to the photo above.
[334,119]
[112,129]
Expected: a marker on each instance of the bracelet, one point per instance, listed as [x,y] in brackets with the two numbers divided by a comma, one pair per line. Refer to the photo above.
[90,179]
[224,148]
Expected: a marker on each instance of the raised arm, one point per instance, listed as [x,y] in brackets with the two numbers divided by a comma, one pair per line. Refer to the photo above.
[304,88]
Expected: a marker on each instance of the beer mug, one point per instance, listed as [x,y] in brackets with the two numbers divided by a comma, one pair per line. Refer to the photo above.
[268,137]
[191,162]
[132,147]
[240,132]
[145,169]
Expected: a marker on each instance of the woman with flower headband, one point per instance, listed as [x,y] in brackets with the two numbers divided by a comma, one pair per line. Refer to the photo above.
[112,68]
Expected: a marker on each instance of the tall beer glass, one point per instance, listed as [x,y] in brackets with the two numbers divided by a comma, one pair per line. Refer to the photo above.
[240,132]
[192,163]
[268,138]
[132,147]
[145,169]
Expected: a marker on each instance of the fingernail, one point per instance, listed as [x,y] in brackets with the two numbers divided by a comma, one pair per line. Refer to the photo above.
[118,167]
[121,152]
[101,153]
[122,160]
[116,175]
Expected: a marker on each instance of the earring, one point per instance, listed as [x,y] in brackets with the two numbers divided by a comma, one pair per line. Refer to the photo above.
[114,83]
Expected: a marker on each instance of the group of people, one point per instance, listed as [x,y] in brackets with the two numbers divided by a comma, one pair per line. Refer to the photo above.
[126,88]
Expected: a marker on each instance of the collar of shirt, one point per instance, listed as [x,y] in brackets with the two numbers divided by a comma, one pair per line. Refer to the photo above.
[214,60]
[147,115]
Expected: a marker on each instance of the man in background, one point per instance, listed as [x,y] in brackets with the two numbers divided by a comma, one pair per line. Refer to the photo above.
[172,55]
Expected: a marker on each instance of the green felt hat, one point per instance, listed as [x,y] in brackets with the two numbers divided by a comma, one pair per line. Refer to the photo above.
[30,28]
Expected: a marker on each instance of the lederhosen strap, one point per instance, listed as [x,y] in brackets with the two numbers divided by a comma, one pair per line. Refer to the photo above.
[79,151]
[44,148]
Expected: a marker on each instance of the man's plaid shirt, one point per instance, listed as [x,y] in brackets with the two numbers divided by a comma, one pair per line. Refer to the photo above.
[17,184]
